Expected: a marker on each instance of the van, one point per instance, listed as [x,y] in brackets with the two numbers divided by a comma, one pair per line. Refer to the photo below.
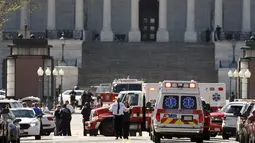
[178,112]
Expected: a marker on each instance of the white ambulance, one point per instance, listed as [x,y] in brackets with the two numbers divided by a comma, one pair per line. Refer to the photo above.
[178,112]
[214,94]
[151,91]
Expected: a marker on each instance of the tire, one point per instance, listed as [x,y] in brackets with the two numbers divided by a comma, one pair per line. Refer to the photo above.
[157,138]
[132,133]
[107,128]
[207,136]
[199,141]
[225,136]
[213,134]
[38,137]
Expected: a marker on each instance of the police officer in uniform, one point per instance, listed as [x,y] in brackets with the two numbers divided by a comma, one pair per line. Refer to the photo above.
[118,109]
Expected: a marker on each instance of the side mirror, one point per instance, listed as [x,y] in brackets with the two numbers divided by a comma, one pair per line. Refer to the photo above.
[17,120]
[148,105]
[5,111]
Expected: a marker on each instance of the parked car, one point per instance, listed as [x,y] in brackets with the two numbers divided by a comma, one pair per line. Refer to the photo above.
[229,120]
[4,138]
[10,103]
[66,96]
[13,127]
[48,124]
[30,124]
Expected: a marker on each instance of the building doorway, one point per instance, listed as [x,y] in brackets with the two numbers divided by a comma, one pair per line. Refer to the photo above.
[148,19]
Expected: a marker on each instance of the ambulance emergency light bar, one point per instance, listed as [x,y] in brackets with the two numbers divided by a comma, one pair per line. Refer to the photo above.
[179,84]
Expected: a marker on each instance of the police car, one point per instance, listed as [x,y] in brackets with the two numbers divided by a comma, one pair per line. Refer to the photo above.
[178,112]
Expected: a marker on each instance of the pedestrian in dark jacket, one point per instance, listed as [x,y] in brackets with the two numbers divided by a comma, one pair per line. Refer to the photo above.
[57,116]
[72,97]
[85,113]
[66,116]
[86,97]
[126,122]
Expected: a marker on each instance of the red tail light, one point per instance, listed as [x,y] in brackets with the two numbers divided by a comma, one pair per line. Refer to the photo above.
[201,118]
[220,88]
[50,118]
[158,116]
[158,113]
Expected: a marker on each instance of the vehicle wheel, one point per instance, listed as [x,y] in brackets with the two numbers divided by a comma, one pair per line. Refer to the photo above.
[38,137]
[199,141]
[213,134]
[157,138]
[133,133]
[107,128]
[207,136]
[140,133]
[225,136]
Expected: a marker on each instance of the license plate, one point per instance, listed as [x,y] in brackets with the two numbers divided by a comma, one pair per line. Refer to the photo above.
[172,116]
[217,129]
[187,118]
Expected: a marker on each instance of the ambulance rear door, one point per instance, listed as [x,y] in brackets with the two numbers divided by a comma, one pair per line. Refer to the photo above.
[213,93]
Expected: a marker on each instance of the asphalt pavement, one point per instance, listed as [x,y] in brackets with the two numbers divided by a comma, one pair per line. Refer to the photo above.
[77,132]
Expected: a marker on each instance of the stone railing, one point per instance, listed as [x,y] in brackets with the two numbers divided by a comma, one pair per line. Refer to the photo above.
[47,34]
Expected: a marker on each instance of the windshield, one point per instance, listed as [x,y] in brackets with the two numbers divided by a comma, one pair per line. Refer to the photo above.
[126,87]
[234,109]
[23,113]
[227,107]
[132,99]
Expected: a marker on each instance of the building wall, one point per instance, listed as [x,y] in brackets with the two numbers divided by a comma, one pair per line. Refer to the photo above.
[93,12]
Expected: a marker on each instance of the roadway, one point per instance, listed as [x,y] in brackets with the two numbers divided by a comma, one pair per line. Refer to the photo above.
[77,132]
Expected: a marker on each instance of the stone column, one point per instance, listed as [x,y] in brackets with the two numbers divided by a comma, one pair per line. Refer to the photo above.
[24,19]
[190,33]
[246,23]
[134,34]
[162,34]
[244,67]
[79,16]
[106,33]
[218,13]
[51,22]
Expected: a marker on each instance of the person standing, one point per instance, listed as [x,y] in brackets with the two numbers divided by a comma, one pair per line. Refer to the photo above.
[38,113]
[44,108]
[118,108]
[126,122]
[66,117]
[85,113]
[86,97]
[57,120]
[72,97]
[70,107]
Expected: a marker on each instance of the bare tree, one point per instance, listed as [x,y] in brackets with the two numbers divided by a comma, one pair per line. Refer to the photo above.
[9,6]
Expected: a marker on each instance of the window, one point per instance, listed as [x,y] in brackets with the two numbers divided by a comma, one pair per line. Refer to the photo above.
[133,99]
[126,87]
[171,102]
[24,113]
[188,102]
[234,109]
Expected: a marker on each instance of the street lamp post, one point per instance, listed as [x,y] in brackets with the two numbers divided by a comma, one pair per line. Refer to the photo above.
[48,74]
[55,74]
[244,75]
[235,75]
[63,48]
[40,73]
[61,73]
[230,75]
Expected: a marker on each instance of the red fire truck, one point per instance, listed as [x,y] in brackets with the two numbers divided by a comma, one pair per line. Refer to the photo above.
[101,118]
[109,92]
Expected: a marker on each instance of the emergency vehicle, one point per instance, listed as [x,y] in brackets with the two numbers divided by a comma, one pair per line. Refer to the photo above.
[123,84]
[214,94]
[151,91]
[178,112]
[102,119]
